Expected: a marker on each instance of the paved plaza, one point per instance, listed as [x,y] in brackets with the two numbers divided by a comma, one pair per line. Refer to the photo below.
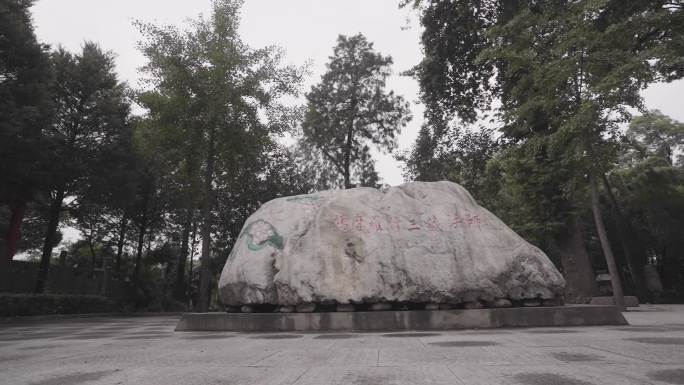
[146,350]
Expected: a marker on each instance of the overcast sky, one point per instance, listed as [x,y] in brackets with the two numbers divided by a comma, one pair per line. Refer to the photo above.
[307,29]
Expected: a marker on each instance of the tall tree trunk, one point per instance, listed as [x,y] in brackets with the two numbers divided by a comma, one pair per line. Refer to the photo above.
[179,287]
[605,245]
[671,270]
[141,238]
[53,223]
[205,278]
[93,255]
[105,274]
[349,143]
[18,209]
[193,244]
[121,241]
[627,239]
[347,159]
[576,263]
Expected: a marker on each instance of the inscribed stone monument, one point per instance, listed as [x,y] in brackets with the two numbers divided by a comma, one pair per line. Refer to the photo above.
[420,242]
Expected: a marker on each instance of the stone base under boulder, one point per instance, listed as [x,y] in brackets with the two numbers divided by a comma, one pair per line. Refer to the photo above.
[569,315]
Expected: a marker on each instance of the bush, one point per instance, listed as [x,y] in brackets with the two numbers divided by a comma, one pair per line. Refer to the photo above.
[12,305]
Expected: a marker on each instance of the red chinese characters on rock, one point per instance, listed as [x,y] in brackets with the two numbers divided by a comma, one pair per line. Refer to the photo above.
[467,220]
[343,223]
[375,224]
[390,223]
[395,224]
[433,224]
[359,223]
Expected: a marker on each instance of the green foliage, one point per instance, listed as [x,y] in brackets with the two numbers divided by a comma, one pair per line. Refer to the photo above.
[564,73]
[558,77]
[33,225]
[206,80]
[650,187]
[349,111]
[544,55]
[453,80]
[654,135]
[25,103]
[533,190]
[458,155]
[214,108]
[91,109]
[91,115]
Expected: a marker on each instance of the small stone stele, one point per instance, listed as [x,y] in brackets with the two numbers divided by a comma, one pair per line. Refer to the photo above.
[345,307]
[500,303]
[285,309]
[432,306]
[247,309]
[382,306]
[305,307]
[473,305]
[532,302]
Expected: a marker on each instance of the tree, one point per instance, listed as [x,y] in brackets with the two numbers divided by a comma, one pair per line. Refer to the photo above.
[105,201]
[349,110]
[648,184]
[456,154]
[654,135]
[565,72]
[91,111]
[25,111]
[220,100]
[156,192]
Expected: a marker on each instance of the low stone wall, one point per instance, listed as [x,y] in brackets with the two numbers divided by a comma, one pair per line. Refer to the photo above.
[21,278]
[24,304]
[577,315]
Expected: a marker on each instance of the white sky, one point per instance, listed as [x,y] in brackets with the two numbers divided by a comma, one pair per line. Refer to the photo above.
[307,29]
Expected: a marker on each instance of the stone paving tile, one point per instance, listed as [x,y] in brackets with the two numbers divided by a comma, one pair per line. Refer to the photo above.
[478,355]
[296,357]
[358,357]
[408,357]
[586,355]
[648,373]
[433,375]
[657,354]
[180,374]
[540,375]
[146,351]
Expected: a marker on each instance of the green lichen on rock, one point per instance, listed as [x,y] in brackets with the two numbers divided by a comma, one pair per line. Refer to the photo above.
[261,233]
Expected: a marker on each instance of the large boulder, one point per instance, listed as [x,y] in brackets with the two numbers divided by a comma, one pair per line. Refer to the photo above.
[419,242]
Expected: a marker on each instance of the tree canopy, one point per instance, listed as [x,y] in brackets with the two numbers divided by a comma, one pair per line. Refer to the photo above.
[25,111]
[214,108]
[529,105]
[558,78]
[349,110]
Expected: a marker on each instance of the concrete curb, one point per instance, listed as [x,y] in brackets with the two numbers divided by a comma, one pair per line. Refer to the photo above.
[572,315]
[68,317]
